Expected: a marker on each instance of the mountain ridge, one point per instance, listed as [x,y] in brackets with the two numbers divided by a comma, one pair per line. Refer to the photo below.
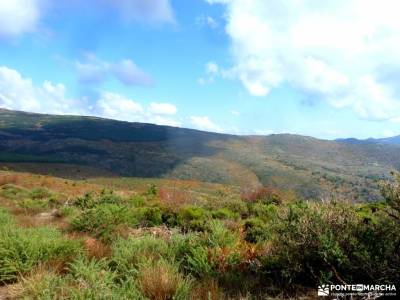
[311,167]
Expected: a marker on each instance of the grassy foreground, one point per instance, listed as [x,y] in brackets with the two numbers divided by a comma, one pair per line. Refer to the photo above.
[62,239]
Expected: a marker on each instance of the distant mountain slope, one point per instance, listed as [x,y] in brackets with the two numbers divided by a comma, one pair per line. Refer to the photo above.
[312,168]
[395,140]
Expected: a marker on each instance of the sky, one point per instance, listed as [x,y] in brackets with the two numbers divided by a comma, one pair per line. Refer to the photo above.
[328,69]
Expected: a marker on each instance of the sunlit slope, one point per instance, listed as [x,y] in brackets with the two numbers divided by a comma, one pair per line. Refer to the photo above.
[313,168]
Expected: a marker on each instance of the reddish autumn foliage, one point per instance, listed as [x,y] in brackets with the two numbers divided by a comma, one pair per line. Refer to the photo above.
[263,194]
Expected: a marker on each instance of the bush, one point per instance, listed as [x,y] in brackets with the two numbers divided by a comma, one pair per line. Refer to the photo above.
[67,211]
[40,193]
[13,192]
[256,230]
[218,235]
[87,279]
[169,217]
[93,277]
[5,218]
[193,218]
[128,253]
[136,201]
[197,262]
[391,193]
[109,197]
[86,201]
[266,212]
[262,194]
[224,213]
[103,220]
[33,206]
[23,249]
[235,205]
[328,242]
[43,284]
[161,280]
[149,216]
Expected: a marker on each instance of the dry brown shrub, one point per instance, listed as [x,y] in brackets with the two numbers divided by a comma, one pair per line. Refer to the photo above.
[261,193]
[96,249]
[207,290]
[174,197]
[8,179]
[159,281]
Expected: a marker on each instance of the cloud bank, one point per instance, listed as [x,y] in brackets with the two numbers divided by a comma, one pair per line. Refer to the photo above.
[344,52]
[19,93]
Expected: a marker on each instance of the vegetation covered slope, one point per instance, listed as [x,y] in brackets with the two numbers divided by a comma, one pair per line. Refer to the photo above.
[147,239]
[312,168]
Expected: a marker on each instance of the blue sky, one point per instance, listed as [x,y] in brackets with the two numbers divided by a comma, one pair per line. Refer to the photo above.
[246,67]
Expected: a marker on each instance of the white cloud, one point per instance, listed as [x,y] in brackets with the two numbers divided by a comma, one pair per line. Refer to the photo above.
[162,108]
[18,16]
[115,106]
[119,107]
[212,68]
[235,113]
[90,72]
[211,71]
[130,74]
[20,93]
[95,70]
[342,51]
[204,123]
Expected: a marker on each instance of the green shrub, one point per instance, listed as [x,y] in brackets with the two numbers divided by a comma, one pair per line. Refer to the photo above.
[13,192]
[152,190]
[193,218]
[128,253]
[136,201]
[87,279]
[34,206]
[391,193]
[237,206]
[109,197]
[67,211]
[94,277]
[40,193]
[86,201]
[103,220]
[169,217]
[329,242]
[5,218]
[218,235]
[224,213]
[45,285]
[256,230]
[266,212]
[22,249]
[197,263]
[149,216]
